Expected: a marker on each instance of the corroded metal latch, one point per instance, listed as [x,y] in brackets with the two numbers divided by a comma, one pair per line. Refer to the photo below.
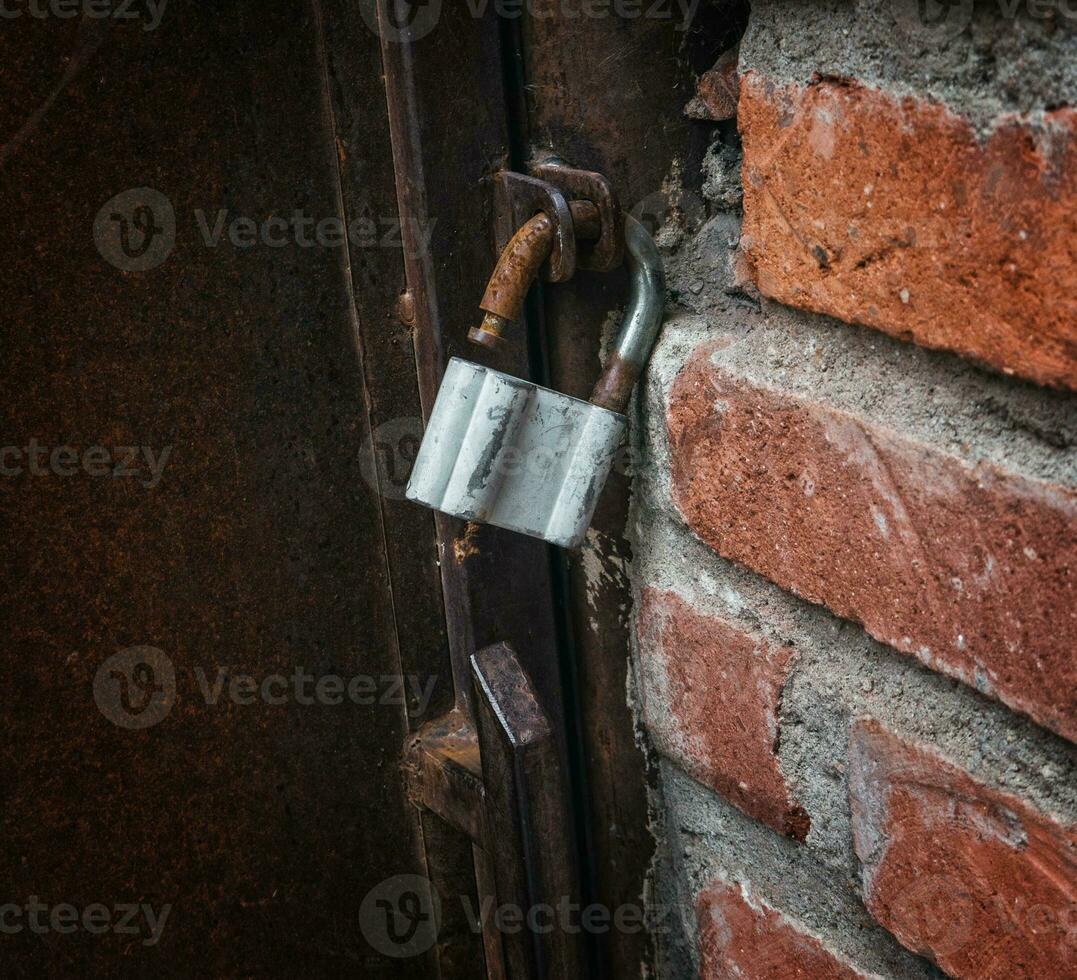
[499,779]
[551,221]
[508,452]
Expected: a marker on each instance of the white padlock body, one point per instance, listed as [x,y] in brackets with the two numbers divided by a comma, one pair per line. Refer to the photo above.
[511,453]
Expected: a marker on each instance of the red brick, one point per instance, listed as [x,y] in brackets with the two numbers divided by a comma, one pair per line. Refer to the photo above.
[972,878]
[892,213]
[717,91]
[967,567]
[711,695]
[742,938]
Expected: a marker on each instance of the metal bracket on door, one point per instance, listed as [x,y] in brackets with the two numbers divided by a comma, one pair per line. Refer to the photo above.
[549,187]
[517,199]
[502,785]
[607,253]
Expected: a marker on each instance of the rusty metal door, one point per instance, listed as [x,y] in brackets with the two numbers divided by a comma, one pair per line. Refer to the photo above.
[474,89]
[219,626]
[245,683]
[606,90]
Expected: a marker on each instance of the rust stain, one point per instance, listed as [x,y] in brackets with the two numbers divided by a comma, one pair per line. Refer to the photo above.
[464,547]
[519,265]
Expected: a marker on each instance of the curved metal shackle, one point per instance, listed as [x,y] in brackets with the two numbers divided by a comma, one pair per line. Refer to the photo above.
[519,264]
[642,321]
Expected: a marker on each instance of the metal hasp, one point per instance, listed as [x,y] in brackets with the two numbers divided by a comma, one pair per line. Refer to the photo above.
[549,222]
[500,782]
[508,452]
[607,252]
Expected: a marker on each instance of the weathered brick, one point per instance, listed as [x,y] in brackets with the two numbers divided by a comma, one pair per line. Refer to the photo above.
[711,694]
[967,566]
[972,878]
[743,938]
[716,91]
[892,213]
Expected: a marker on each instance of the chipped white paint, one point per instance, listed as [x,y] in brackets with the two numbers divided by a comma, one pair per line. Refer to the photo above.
[602,568]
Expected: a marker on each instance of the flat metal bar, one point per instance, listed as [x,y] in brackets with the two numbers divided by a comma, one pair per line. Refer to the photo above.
[528,816]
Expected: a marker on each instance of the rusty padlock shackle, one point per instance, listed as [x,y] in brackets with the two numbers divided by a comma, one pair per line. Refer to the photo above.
[519,264]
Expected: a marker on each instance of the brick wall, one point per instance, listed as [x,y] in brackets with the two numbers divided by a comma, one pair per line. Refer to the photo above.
[855,523]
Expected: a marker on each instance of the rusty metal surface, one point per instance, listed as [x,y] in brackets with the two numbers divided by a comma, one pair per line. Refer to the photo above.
[615,384]
[384,321]
[608,94]
[521,197]
[487,884]
[490,332]
[445,774]
[527,814]
[259,550]
[517,267]
[519,264]
[386,329]
[607,252]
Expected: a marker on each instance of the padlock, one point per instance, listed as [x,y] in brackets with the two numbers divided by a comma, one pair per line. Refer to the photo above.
[508,452]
